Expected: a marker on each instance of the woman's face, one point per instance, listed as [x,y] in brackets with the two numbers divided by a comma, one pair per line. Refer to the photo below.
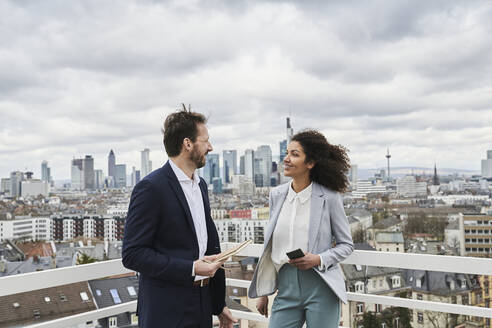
[294,161]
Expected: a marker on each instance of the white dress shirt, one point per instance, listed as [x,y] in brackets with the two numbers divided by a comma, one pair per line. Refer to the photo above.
[292,228]
[193,195]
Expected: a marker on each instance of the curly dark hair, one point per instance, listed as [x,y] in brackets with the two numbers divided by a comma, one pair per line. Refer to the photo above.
[331,161]
[178,126]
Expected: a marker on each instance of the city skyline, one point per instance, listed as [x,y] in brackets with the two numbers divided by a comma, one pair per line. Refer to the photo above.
[413,78]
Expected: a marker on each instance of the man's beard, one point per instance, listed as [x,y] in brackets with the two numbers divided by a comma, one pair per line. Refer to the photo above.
[197,158]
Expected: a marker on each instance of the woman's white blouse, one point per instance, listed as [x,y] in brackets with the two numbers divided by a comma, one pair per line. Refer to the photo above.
[292,228]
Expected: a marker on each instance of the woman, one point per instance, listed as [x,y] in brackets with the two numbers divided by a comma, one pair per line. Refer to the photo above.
[306,213]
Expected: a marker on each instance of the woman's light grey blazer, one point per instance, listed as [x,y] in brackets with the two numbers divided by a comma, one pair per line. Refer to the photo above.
[327,220]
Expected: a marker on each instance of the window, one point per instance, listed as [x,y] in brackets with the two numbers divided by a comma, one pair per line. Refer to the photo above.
[419,297]
[131,291]
[374,283]
[420,317]
[84,297]
[359,287]
[134,319]
[383,325]
[464,299]
[47,299]
[63,298]
[113,322]
[116,296]
[418,283]
[395,281]
[36,314]
[377,308]
[16,305]
[360,308]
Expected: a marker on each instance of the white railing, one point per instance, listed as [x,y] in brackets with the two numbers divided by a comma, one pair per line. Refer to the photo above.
[56,277]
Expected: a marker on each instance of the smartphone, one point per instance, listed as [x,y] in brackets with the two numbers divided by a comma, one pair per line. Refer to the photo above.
[295,254]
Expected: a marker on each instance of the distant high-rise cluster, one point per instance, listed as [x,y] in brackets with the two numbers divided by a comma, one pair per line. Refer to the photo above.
[255,168]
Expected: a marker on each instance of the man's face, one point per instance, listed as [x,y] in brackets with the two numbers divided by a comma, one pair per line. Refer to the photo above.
[201,147]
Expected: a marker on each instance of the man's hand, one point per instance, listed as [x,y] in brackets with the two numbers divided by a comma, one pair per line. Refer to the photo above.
[262,305]
[226,320]
[306,262]
[205,267]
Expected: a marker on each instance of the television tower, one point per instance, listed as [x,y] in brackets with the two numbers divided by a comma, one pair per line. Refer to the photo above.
[388,156]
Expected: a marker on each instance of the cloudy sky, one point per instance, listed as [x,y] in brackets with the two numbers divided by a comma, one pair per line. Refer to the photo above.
[82,77]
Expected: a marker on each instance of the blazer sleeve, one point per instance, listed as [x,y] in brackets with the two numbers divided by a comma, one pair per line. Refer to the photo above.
[138,253]
[341,231]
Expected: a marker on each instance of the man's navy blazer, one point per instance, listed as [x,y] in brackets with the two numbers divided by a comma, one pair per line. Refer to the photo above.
[160,243]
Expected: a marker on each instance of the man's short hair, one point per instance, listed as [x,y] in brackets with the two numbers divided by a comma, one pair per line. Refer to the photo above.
[178,126]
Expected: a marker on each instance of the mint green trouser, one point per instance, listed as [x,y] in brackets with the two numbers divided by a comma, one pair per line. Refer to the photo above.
[303,296]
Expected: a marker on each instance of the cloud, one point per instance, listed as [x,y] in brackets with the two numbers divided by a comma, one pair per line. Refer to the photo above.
[87,77]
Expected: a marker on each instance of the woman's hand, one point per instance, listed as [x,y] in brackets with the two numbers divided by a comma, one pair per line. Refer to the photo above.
[262,305]
[306,262]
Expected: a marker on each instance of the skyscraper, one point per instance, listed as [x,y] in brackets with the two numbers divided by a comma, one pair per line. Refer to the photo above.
[45,172]
[98,179]
[249,164]
[211,168]
[120,177]
[135,176]
[229,167]
[263,160]
[290,131]
[16,178]
[82,173]
[145,163]
[77,174]
[89,179]
[111,165]
[283,150]
[487,165]
[241,165]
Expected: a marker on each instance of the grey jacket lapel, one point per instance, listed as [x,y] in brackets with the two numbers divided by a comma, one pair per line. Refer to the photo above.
[317,202]
[278,198]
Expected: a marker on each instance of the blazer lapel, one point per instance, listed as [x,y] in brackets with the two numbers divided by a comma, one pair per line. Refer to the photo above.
[173,181]
[278,200]
[316,210]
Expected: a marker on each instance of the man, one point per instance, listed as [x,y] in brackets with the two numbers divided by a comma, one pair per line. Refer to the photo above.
[170,238]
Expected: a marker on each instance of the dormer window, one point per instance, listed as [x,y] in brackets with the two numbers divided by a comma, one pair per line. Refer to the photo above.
[359,287]
[395,281]
[451,285]
[463,283]
[418,282]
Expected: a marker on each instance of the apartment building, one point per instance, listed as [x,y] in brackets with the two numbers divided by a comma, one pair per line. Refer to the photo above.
[27,227]
[476,234]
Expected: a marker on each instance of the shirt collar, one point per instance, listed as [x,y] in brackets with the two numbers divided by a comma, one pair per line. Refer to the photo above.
[303,196]
[181,175]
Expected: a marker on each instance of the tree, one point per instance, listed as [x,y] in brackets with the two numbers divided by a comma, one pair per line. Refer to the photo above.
[421,223]
[83,258]
[359,235]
